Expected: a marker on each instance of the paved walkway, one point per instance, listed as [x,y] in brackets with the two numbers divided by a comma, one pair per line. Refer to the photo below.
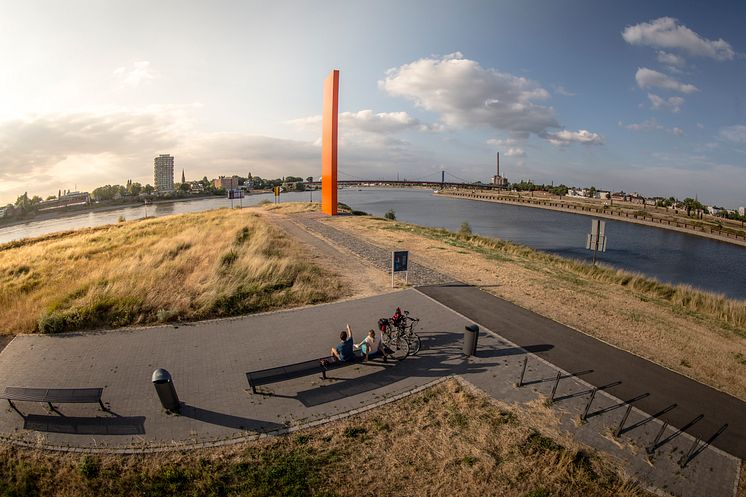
[573,351]
[208,361]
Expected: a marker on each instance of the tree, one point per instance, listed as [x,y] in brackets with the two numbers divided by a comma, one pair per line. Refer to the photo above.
[148,189]
[51,197]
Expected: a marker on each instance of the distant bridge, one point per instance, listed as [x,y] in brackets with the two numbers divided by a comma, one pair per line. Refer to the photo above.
[426,181]
[384,182]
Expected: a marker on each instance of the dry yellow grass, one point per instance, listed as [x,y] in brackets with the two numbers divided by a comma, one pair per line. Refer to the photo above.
[695,333]
[445,441]
[186,267]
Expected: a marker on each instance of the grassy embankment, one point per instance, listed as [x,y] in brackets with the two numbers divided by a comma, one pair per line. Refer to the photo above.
[444,441]
[192,266]
[699,334]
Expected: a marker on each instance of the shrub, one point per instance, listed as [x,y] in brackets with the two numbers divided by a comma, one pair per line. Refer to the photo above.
[390,214]
[465,229]
[88,467]
[121,219]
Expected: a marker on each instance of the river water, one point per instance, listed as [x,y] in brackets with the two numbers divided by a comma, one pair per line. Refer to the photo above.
[667,255]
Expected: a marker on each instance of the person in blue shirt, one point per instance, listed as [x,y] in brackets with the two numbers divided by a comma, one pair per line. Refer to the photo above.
[344,351]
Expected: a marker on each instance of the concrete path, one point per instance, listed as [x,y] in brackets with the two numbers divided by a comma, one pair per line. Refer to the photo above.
[573,351]
[208,361]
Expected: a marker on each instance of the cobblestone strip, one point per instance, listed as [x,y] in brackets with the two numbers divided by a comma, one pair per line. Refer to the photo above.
[379,257]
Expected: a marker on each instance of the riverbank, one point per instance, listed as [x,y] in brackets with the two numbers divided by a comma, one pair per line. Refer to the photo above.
[628,214]
[93,208]
[176,268]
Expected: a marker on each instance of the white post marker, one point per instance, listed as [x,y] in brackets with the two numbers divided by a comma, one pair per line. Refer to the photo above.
[399,263]
[596,239]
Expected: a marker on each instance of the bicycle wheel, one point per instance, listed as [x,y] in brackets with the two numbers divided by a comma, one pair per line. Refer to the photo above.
[413,339]
[396,346]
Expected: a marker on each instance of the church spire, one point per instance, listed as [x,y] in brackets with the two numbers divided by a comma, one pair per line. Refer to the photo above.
[183,178]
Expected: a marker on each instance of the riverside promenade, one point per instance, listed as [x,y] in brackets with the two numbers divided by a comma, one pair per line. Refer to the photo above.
[208,361]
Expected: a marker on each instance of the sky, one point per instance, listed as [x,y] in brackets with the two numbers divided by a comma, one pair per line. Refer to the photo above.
[645,96]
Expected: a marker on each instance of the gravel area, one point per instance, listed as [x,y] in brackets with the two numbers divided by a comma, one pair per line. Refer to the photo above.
[419,275]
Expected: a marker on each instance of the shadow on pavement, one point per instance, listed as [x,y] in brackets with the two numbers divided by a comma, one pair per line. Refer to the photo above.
[227,420]
[85,426]
[442,356]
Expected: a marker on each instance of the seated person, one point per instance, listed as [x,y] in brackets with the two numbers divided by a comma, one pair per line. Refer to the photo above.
[344,351]
[371,345]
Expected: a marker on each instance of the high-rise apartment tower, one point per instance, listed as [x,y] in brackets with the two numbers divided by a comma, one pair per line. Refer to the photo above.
[163,173]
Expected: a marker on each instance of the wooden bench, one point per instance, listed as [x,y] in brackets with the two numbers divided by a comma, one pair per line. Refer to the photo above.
[297,370]
[49,395]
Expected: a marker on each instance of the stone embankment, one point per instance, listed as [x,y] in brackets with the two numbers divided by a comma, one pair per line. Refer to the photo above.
[648,219]
[418,274]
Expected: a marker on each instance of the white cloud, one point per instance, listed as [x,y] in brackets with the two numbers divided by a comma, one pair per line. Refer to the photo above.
[667,33]
[501,142]
[651,125]
[465,94]
[673,61]
[672,104]
[565,137]
[647,125]
[365,121]
[135,74]
[515,152]
[647,78]
[561,90]
[42,154]
[734,134]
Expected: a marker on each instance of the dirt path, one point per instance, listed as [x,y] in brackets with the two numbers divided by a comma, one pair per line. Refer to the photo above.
[360,278]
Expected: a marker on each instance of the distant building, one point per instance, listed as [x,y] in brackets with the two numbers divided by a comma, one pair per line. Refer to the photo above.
[742,211]
[66,200]
[196,187]
[3,211]
[498,180]
[636,198]
[226,183]
[603,195]
[163,173]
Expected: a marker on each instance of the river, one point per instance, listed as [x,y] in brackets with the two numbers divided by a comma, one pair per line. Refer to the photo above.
[666,255]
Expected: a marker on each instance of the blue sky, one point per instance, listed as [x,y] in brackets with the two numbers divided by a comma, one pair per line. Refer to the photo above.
[639,96]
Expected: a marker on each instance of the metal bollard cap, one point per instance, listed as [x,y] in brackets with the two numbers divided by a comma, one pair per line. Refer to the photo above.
[472,327]
[160,375]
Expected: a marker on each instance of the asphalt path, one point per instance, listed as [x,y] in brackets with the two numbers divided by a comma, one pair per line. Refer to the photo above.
[574,351]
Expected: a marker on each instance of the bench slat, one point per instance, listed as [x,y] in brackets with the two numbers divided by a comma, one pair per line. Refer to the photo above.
[305,368]
[61,395]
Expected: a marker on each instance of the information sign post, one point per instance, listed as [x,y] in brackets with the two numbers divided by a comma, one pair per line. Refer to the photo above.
[276,191]
[596,239]
[236,194]
[399,263]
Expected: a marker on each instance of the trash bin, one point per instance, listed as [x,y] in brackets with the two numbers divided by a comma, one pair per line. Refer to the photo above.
[164,387]
[471,335]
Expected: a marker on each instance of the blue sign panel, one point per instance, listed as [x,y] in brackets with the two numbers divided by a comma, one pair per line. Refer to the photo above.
[400,260]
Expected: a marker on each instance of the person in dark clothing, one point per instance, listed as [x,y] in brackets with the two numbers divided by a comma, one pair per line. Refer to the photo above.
[344,351]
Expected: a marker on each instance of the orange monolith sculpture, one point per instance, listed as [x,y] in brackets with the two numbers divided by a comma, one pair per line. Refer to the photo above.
[329,145]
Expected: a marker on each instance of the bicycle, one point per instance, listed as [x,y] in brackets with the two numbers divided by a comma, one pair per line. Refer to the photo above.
[402,325]
[395,342]
[406,328]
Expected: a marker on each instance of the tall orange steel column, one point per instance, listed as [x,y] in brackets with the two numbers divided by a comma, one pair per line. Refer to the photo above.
[329,145]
